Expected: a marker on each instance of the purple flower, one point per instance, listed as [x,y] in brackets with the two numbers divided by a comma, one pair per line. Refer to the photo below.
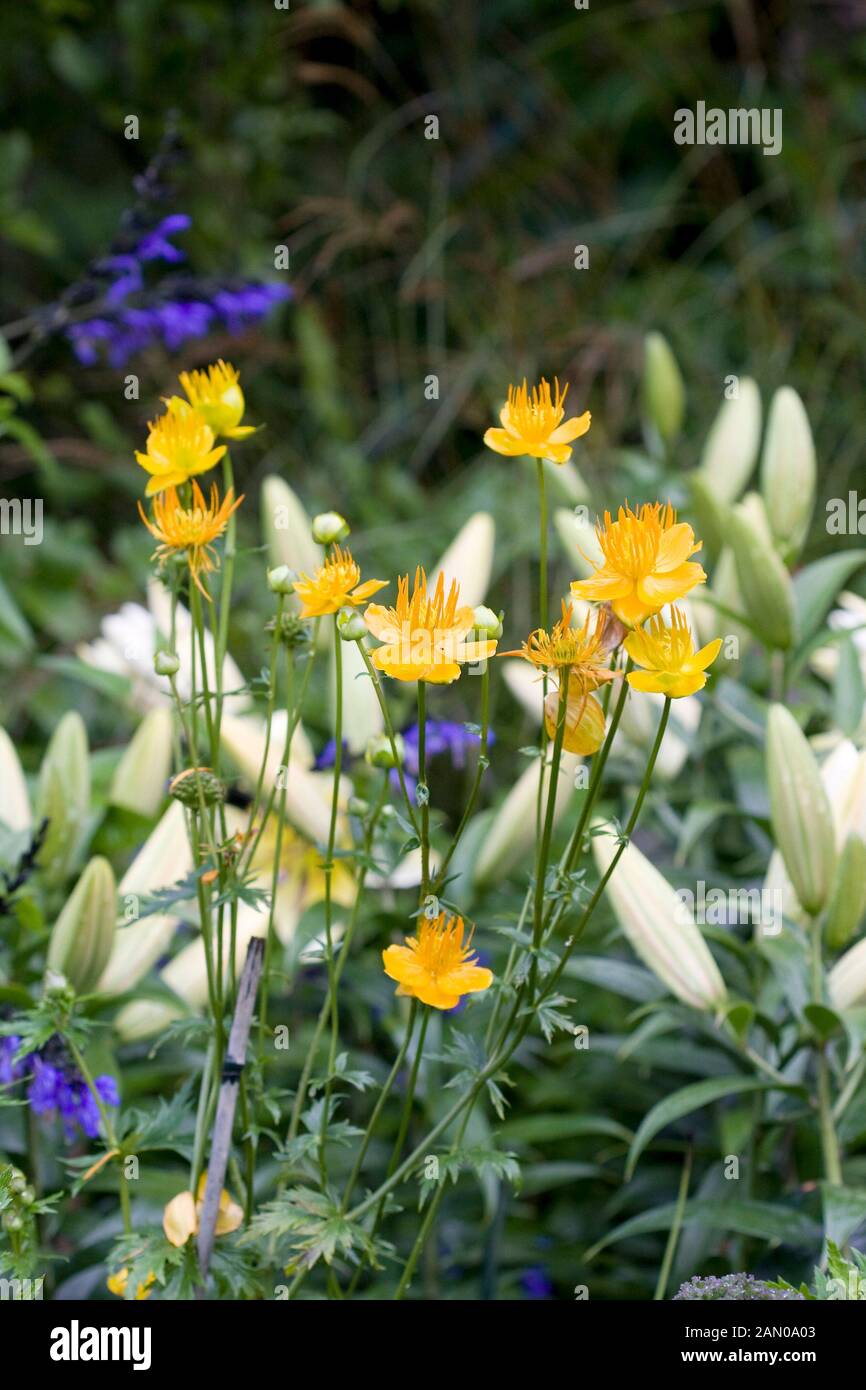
[10,1071]
[443,736]
[155,245]
[536,1283]
[58,1090]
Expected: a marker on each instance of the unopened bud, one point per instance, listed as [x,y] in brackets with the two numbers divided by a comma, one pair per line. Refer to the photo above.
[379,752]
[799,810]
[197,784]
[357,806]
[63,798]
[83,935]
[351,625]
[281,580]
[487,622]
[664,392]
[166,664]
[329,527]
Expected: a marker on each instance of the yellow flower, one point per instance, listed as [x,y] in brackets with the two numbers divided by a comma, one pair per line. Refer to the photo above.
[334,585]
[192,529]
[532,424]
[646,562]
[117,1284]
[584,717]
[435,966]
[217,396]
[673,666]
[180,444]
[301,880]
[181,1215]
[585,652]
[424,636]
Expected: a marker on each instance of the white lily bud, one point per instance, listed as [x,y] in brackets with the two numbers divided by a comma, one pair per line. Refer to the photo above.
[82,936]
[15,812]
[664,393]
[140,778]
[579,541]
[799,810]
[63,797]
[788,472]
[848,900]
[362,713]
[287,529]
[512,830]
[846,982]
[732,444]
[469,559]
[763,580]
[659,926]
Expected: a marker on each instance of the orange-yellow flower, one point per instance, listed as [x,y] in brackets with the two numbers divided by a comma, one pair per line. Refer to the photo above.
[435,966]
[532,424]
[646,562]
[424,636]
[334,585]
[193,529]
[117,1284]
[182,1214]
[217,396]
[585,650]
[180,444]
[673,667]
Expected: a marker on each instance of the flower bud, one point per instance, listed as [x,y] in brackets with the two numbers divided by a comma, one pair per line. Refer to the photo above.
[139,782]
[294,632]
[511,832]
[763,580]
[83,934]
[468,559]
[487,622]
[848,900]
[583,719]
[732,444]
[287,528]
[788,472]
[351,625]
[357,806]
[329,528]
[166,663]
[197,784]
[281,580]
[63,797]
[659,926]
[379,752]
[15,809]
[663,390]
[799,810]
[846,982]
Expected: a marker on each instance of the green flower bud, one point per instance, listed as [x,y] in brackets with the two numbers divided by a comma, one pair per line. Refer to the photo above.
[63,797]
[487,622]
[788,472]
[732,444]
[848,900]
[663,390]
[329,528]
[194,785]
[166,664]
[799,811]
[281,580]
[83,934]
[351,625]
[293,631]
[763,580]
[379,752]
[357,806]
[139,782]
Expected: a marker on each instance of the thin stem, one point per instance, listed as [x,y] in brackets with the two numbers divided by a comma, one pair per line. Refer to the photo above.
[329,871]
[829,1137]
[422,795]
[392,738]
[480,767]
[380,1105]
[676,1227]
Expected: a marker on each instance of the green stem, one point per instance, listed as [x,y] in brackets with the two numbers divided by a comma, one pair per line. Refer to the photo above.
[380,1102]
[392,738]
[829,1137]
[329,870]
[676,1227]
[423,793]
[480,767]
[110,1132]
[544,846]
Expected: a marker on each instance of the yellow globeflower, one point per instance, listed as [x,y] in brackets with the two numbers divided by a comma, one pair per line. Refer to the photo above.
[117,1284]
[182,1214]
[532,424]
[334,585]
[217,396]
[673,667]
[646,562]
[424,636]
[435,966]
[580,656]
[180,444]
[193,529]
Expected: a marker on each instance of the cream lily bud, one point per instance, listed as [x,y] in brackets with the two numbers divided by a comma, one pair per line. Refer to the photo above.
[63,797]
[15,810]
[664,394]
[848,900]
[512,829]
[732,444]
[82,936]
[711,620]
[287,528]
[166,664]
[799,810]
[846,982]
[281,580]
[659,926]
[468,559]
[351,625]
[487,622]
[140,778]
[788,472]
[379,752]
[329,528]
[763,579]
[579,541]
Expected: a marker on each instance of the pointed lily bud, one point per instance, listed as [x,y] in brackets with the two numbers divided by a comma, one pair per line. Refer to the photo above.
[659,926]
[469,559]
[848,900]
[732,444]
[664,394]
[140,778]
[846,982]
[287,529]
[63,798]
[15,806]
[788,472]
[512,829]
[763,580]
[799,810]
[83,934]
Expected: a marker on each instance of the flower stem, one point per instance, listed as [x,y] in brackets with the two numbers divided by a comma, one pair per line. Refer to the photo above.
[422,795]
[480,768]
[328,867]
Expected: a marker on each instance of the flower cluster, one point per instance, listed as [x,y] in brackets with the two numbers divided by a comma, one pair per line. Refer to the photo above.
[55,1087]
[732,1288]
